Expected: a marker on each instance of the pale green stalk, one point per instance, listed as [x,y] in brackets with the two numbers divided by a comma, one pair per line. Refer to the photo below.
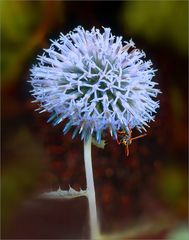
[95,232]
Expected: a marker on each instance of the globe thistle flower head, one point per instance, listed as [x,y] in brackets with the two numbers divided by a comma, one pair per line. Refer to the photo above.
[96,81]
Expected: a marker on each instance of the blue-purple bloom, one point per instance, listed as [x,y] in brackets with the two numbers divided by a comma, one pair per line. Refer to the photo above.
[96,81]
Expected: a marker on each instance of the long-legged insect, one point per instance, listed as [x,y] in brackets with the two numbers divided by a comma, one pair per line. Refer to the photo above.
[126,139]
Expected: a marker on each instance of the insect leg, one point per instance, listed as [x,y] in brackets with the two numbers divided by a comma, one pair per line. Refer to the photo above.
[139,136]
[121,132]
[127,150]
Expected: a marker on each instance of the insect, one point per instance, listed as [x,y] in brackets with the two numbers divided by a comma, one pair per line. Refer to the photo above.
[126,139]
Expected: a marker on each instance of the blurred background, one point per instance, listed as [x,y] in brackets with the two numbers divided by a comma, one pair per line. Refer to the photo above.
[143,195]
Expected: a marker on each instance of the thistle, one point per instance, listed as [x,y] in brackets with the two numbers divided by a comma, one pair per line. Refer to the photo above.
[95,81]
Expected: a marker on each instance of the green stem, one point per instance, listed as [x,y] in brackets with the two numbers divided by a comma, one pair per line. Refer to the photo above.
[95,232]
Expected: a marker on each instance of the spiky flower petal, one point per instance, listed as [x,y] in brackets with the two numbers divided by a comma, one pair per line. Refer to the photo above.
[95,81]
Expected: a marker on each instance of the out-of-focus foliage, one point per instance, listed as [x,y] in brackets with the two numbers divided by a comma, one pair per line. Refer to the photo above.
[19,20]
[18,23]
[23,27]
[20,178]
[158,21]
[171,184]
[180,233]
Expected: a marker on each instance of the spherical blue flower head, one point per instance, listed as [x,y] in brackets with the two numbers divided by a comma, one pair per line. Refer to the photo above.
[95,81]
